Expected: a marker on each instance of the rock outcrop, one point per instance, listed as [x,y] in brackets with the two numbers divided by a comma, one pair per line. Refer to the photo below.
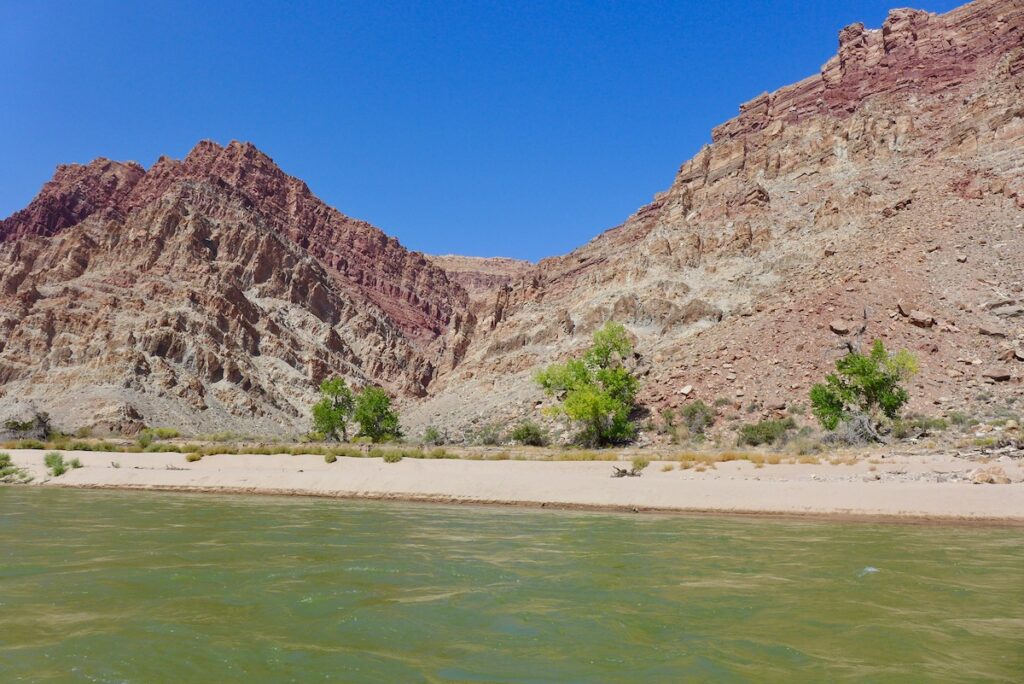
[881,197]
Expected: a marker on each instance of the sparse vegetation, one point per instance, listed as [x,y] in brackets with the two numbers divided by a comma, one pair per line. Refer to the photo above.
[486,435]
[10,473]
[529,433]
[765,432]
[392,456]
[639,463]
[330,458]
[697,417]
[193,457]
[597,391]
[54,461]
[432,437]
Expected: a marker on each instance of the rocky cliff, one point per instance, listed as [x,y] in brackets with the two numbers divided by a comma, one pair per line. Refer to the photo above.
[884,193]
[213,293]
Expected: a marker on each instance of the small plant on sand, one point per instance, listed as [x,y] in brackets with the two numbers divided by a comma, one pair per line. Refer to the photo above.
[392,456]
[597,391]
[639,463]
[864,385]
[529,433]
[10,473]
[193,457]
[75,463]
[330,458]
[54,461]
[486,435]
[334,410]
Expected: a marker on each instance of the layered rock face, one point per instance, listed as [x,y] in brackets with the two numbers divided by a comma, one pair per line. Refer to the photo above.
[212,293]
[894,174]
[882,197]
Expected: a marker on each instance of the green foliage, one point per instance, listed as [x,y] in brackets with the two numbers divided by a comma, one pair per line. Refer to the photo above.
[597,390]
[330,458]
[144,439]
[698,417]
[10,473]
[193,457]
[529,433]
[916,425]
[375,416]
[639,463]
[19,427]
[392,456]
[765,432]
[334,410]
[54,460]
[487,435]
[865,384]
[75,463]
[432,436]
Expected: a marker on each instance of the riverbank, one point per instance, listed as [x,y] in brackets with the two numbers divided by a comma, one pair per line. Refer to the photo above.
[933,487]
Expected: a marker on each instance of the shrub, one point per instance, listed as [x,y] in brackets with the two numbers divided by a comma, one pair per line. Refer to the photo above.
[765,432]
[529,433]
[864,384]
[639,463]
[597,391]
[330,458]
[54,460]
[144,439]
[10,473]
[392,456]
[487,435]
[432,436]
[698,417]
[193,457]
[75,463]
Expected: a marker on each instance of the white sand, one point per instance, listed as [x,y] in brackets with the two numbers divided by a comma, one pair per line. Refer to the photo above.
[907,488]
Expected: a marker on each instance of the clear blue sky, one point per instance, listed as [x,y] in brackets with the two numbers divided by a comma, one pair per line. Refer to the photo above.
[484,128]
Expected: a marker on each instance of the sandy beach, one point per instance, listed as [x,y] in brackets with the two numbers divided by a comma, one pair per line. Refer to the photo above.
[920,487]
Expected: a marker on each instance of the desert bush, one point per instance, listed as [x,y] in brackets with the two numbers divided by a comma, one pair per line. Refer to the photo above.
[10,473]
[193,457]
[486,435]
[392,456]
[529,433]
[639,463]
[697,417]
[856,431]
[145,439]
[765,432]
[75,463]
[962,420]
[30,444]
[330,458]
[54,461]
[432,436]
[719,402]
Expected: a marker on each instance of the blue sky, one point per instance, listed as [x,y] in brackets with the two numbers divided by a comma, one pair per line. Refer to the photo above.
[483,128]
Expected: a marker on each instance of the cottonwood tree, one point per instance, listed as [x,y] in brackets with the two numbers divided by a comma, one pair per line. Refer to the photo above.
[597,390]
[377,420]
[334,410]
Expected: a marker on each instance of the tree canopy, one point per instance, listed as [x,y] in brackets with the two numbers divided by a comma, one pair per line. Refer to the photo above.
[864,385]
[597,390]
[334,410]
[377,420]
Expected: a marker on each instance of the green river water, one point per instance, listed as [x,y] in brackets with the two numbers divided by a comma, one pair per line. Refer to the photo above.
[146,587]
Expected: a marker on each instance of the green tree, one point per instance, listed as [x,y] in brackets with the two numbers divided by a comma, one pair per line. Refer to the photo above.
[375,416]
[866,385]
[334,410]
[597,390]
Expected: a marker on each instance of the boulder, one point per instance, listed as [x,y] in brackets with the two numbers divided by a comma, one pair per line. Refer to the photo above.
[904,307]
[839,327]
[991,331]
[922,319]
[997,374]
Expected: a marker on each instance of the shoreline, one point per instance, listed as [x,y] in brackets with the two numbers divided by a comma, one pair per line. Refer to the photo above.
[443,500]
[922,489]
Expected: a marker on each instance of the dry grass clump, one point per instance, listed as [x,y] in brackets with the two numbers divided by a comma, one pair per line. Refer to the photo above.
[665,467]
[585,456]
[814,460]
